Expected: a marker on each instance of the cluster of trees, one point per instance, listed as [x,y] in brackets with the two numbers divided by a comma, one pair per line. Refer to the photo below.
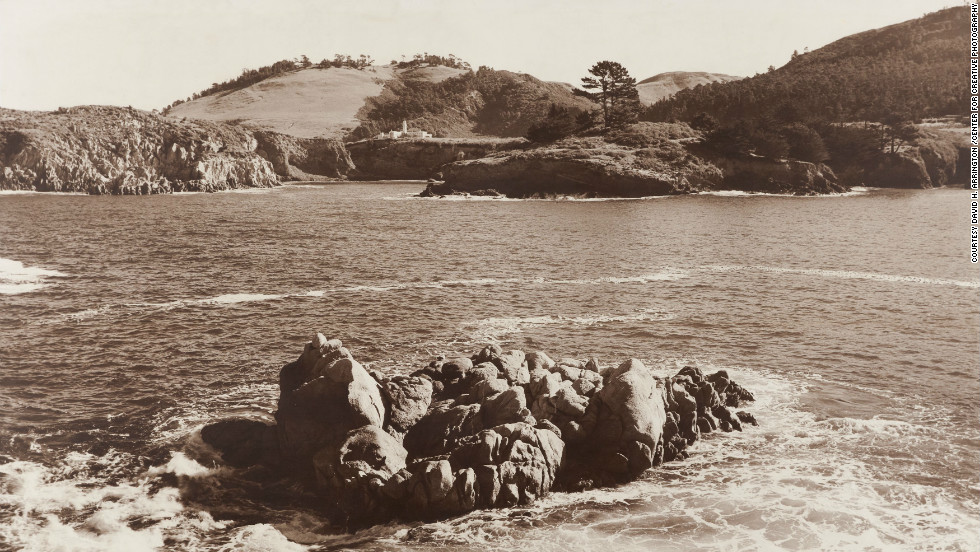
[850,104]
[426,58]
[491,102]
[342,60]
[610,86]
[914,68]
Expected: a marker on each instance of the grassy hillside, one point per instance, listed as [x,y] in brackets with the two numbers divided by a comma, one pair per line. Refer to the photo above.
[665,85]
[308,103]
[917,68]
[358,103]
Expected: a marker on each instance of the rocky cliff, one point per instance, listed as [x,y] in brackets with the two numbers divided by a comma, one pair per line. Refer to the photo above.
[418,159]
[935,159]
[497,429]
[789,176]
[113,150]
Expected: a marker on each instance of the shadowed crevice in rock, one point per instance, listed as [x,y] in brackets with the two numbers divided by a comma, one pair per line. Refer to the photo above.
[498,429]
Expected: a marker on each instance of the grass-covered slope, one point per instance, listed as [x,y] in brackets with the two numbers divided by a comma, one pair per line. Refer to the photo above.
[308,103]
[359,103]
[665,85]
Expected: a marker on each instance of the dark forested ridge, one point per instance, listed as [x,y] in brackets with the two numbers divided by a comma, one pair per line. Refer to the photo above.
[917,68]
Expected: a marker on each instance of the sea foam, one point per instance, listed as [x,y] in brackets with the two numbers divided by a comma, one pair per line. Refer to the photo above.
[663,275]
[848,275]
[16,278]
[794,482]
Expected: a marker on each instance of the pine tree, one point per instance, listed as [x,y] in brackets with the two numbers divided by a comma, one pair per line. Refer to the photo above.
[615,92]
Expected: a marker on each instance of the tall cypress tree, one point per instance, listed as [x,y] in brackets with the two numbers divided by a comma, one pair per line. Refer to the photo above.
[615,90]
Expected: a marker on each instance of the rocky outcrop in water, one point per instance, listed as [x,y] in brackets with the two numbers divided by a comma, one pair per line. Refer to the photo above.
[586,167]
[500,428]
[114,150]
[789,176]
[594,168]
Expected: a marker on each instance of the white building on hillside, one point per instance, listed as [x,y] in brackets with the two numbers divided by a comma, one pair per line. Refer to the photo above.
[403,133]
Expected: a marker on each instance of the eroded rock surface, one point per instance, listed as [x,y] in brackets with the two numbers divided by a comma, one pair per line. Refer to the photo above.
[501,428]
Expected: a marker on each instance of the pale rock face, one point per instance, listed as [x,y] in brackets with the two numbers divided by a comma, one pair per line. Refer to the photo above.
[112,150]
[514,367]
[539,360]
[324,395]
[408,399]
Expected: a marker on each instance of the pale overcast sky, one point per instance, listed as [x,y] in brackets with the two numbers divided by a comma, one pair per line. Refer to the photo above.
[147,53]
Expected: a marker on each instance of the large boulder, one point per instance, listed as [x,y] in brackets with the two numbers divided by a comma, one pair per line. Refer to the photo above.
[325,394]
[408,399]
[513,366]
[627,438]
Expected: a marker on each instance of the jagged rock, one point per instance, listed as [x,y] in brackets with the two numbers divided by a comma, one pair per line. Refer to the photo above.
[737,394]
[439,430]
[538,360]
[408,399]
[727,419]
[569,373]
[507,407]
[381,446]
[364,453]
[746,418]
[487,354]
[334,395]
[113,150]
[513,367]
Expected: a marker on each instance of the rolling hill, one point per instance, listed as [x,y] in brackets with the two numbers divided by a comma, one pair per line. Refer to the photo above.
[665,85]
[344,102]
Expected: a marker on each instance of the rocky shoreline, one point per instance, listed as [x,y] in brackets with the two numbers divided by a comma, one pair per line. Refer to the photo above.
[124,151]
[497,429]
[114,150]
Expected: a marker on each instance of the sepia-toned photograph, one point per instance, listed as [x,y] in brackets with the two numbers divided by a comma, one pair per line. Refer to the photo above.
[444,275]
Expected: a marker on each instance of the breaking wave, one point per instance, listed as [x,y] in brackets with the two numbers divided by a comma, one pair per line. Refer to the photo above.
[15,278]
[848,275]
[499,329]
[664,275]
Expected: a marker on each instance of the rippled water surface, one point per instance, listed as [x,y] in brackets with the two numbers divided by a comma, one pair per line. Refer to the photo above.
[127,322]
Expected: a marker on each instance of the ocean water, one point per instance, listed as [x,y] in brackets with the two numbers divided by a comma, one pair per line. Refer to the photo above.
[126,323]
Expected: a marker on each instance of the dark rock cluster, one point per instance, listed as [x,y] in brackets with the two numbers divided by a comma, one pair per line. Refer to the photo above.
[500,428]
